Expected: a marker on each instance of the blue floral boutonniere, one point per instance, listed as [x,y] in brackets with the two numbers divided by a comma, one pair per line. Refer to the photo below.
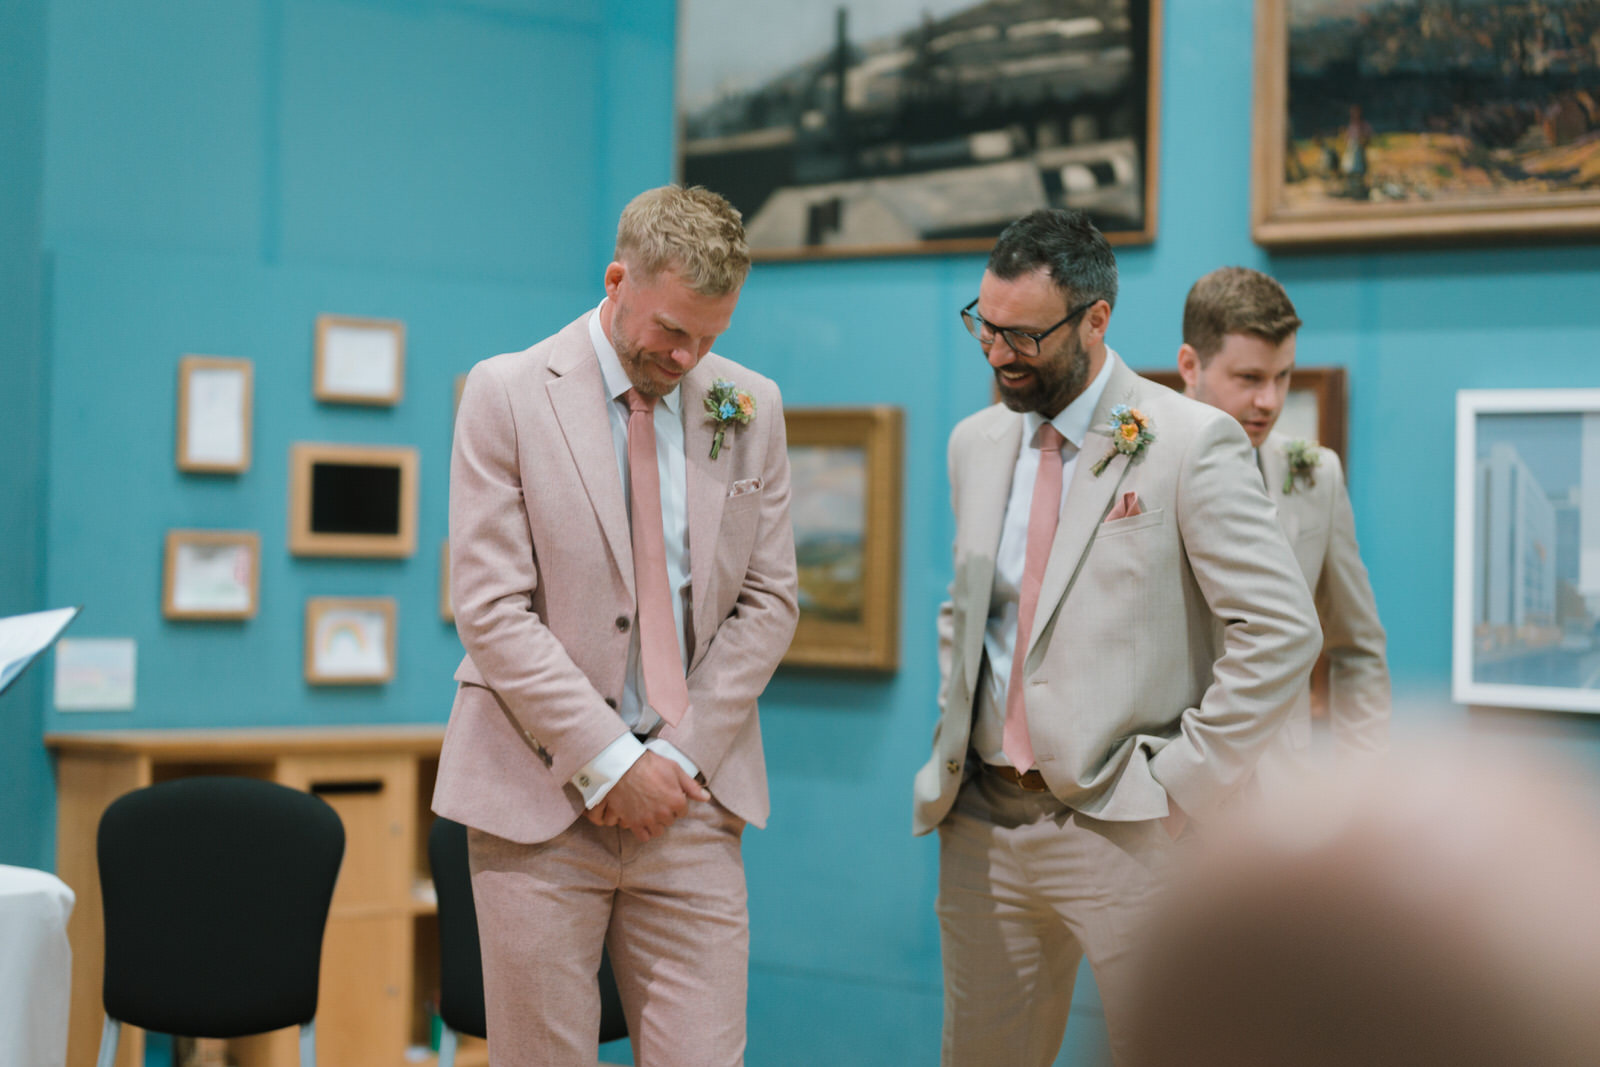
[727,404]
[1130,433]
[1303,457]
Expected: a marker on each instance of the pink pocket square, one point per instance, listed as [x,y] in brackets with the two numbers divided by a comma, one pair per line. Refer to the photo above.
[745,485]
[1126,508]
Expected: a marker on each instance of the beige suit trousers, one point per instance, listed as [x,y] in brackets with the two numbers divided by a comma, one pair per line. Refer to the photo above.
[673,913]
[1027,888]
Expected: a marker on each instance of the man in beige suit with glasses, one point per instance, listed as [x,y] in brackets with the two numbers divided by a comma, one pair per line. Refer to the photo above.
[1238,354]
[1125,632]
[623,574]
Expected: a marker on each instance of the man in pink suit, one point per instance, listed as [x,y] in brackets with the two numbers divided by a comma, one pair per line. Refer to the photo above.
[623,575]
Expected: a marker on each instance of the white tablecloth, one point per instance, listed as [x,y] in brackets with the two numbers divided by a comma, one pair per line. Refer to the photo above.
[35,968]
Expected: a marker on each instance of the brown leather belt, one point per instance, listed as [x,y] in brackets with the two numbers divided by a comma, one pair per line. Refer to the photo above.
[1028,781]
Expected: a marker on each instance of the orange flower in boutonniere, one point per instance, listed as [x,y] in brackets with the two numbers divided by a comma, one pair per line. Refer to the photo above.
[727,404]
[1130,433]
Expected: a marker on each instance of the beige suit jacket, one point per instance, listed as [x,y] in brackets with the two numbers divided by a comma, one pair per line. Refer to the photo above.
[541,573]
[1168,646]
[1321,529]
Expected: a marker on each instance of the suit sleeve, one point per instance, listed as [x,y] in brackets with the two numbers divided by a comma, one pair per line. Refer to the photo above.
[1358,705]
[725,685]
[1270,638]
[493,577]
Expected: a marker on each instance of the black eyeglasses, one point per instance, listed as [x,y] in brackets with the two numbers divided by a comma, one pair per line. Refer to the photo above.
[1021,342]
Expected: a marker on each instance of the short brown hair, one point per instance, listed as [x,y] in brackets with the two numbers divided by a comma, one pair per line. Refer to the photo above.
[693,232]
[1236,300]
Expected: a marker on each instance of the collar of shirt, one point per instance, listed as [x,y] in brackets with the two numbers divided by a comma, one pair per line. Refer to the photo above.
[1072,420]
[617,381]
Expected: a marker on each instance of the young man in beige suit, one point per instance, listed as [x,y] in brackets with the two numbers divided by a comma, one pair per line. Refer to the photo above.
[1126,630]
[623,574]
[1238,354]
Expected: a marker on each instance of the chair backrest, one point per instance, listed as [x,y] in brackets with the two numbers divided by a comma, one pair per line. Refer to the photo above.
[461,960]
[216,894]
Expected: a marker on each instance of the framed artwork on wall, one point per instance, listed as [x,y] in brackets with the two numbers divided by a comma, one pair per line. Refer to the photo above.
[214,407]
[350,641]
[1313,411]
[1384,123]
[845,465]
[876,127]
[352,500]
[1527,566]
[211,574]
[359,361]
[447,609]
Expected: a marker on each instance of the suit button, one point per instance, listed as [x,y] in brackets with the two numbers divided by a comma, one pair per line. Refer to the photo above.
[583,780]
[623,623]
[952,766]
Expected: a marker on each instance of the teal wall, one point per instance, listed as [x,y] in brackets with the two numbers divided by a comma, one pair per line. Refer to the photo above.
[217,172]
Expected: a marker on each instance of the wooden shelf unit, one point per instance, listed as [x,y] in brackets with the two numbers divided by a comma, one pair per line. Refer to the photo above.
[380,964]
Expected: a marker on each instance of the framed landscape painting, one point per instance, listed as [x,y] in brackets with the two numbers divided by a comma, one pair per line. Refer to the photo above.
[887,127]
[1527,567]
[1399,121]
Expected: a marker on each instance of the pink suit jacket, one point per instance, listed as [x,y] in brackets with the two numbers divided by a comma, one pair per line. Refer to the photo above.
[542,582]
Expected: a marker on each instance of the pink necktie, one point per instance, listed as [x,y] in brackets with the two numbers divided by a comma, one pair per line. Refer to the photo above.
[664,686]
[1042,516]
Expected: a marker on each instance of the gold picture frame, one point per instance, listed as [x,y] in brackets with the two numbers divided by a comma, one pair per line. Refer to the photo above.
[211,574]
[350,640]
[1447,169]
[352,500]
[846,471]
[215,399]
[447,609]
[359,361]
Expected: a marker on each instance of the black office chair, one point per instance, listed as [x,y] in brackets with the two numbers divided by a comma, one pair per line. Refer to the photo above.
[216,894]
[460,959]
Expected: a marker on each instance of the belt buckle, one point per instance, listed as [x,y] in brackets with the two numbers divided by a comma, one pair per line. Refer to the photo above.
[1026,783]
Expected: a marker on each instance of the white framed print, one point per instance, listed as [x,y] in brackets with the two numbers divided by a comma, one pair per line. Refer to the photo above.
[359,361]
[211,574]
[350,641]
[214,404]
[1526,628]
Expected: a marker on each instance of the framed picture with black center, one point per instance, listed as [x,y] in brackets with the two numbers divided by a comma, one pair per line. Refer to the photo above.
[352,500]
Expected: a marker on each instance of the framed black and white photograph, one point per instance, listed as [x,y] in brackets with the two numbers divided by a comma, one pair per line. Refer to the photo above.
[352,500]
[888,127]
[1527,568]
[359,361]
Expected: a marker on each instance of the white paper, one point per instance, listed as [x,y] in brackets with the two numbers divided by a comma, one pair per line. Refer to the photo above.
[351,644]
[360,361]
[216,416]
[95,674]
[212,577]
[23,637]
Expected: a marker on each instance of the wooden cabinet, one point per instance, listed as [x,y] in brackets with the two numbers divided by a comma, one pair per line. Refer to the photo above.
[380,954]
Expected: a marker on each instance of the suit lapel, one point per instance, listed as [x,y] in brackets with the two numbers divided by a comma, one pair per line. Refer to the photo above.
[1275,468]
[1088,500]
[578,396]
[983,521]
[706,489]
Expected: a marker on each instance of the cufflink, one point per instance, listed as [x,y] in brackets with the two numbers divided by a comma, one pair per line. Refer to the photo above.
[952,766]
[583,780]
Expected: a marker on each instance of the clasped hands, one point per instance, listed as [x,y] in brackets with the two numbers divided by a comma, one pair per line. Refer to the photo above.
[649,797]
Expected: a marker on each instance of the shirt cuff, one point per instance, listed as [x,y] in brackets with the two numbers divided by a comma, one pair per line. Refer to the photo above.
[595,778]
[662,747]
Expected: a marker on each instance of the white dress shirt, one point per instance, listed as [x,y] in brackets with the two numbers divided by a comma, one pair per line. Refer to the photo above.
[595,779]
[1000,633]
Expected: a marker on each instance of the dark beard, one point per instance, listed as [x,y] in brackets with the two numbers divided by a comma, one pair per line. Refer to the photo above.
[1055,384]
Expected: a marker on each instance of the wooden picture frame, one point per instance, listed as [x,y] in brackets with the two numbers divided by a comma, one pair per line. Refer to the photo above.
[1524,631]
[215,402]
[1366,134]
[1315,410]
[948,128]
[447,609]
[211,574]
[352,500]
[846,470]
[359,361]
[350,640]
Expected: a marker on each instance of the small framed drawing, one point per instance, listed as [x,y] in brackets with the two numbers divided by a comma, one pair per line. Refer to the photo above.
[1527,567]
[360,361]
[352,500]
[1314,410]
[447,610]
[214,402]
[211,574]
[845,466]
[350,641]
